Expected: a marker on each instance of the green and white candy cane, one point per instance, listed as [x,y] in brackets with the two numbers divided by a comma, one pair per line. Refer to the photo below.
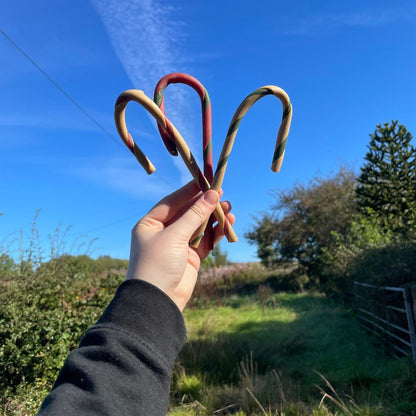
[282,134]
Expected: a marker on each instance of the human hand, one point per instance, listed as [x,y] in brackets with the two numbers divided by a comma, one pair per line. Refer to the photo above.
[160,252]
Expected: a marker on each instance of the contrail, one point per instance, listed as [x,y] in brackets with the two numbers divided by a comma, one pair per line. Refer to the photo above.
[147,41]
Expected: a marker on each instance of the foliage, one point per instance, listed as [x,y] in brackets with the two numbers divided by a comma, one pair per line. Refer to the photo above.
[337,264]
[387,180]
[216,284]
[379,246]
[264,235]
[220,256]
[207,263]
[370,254]
[302,219]
[390,265]
[103,263]
[7,265]
[217,258]
[338,231]
[43,314]
[45,307]
[71,265]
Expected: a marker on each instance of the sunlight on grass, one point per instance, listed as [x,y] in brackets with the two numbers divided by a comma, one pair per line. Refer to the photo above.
[288,355]
[231,320]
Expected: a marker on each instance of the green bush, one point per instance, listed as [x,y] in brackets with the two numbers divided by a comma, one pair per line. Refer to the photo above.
[337,262]
[43,315]
[104,263]
[392,265]
[7,265]
[368,253]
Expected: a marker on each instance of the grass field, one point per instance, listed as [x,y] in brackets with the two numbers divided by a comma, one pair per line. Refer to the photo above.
[286,354]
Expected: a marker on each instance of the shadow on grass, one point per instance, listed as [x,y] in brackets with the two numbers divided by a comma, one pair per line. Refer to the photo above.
[219,357]
[324,337]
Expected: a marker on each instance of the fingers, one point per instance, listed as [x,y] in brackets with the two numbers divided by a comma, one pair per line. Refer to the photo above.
[169,206]
[174,205]
[185,208]
[204,249]
[195,216]
[226,206]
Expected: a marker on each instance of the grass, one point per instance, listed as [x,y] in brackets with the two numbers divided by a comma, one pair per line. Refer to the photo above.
[286,354]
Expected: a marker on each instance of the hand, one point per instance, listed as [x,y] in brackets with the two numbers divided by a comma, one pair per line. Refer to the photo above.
[160,252]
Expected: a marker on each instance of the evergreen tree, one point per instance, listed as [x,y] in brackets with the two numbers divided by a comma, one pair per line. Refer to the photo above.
[387,184]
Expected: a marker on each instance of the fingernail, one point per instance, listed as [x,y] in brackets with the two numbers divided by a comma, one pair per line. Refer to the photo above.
[211,197]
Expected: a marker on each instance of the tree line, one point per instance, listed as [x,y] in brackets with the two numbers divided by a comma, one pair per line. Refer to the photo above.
[348,227]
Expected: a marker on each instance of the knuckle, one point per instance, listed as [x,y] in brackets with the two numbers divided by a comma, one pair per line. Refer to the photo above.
[146,223]
[199,210]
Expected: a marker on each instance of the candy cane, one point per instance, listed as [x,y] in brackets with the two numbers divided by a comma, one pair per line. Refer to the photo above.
[176,78]
[184,151]
[279,151]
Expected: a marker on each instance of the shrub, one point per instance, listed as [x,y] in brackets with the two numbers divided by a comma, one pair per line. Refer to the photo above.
[337,262]
[215,284]
[392,265]
[43,316]
[7,265]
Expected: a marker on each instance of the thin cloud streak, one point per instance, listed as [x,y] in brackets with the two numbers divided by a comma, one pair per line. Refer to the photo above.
[146,38]
[369,19]
[62,120]
[123,175]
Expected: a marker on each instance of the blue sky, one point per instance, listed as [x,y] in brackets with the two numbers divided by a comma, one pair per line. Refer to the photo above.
[346,66]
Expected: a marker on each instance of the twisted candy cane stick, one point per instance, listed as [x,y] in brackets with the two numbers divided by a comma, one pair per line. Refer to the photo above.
[176,78]
[188,158]
[281,139]
[279,151]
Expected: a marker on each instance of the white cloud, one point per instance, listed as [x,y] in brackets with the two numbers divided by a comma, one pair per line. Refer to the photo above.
[146,37]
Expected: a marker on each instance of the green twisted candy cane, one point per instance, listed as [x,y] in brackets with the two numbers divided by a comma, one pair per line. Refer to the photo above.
[282,135]
[279,151]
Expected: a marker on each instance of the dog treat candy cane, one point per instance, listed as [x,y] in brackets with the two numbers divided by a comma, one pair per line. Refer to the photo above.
[176,78]
[184,151]
[279,151]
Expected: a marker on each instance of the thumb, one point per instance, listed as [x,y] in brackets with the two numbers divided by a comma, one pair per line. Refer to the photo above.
[196,215]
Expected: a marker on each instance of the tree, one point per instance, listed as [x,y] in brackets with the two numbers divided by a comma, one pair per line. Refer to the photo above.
[387,184]
[302,219]
[219,256]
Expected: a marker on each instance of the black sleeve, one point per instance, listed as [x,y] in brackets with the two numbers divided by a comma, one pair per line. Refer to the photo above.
[124,362]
